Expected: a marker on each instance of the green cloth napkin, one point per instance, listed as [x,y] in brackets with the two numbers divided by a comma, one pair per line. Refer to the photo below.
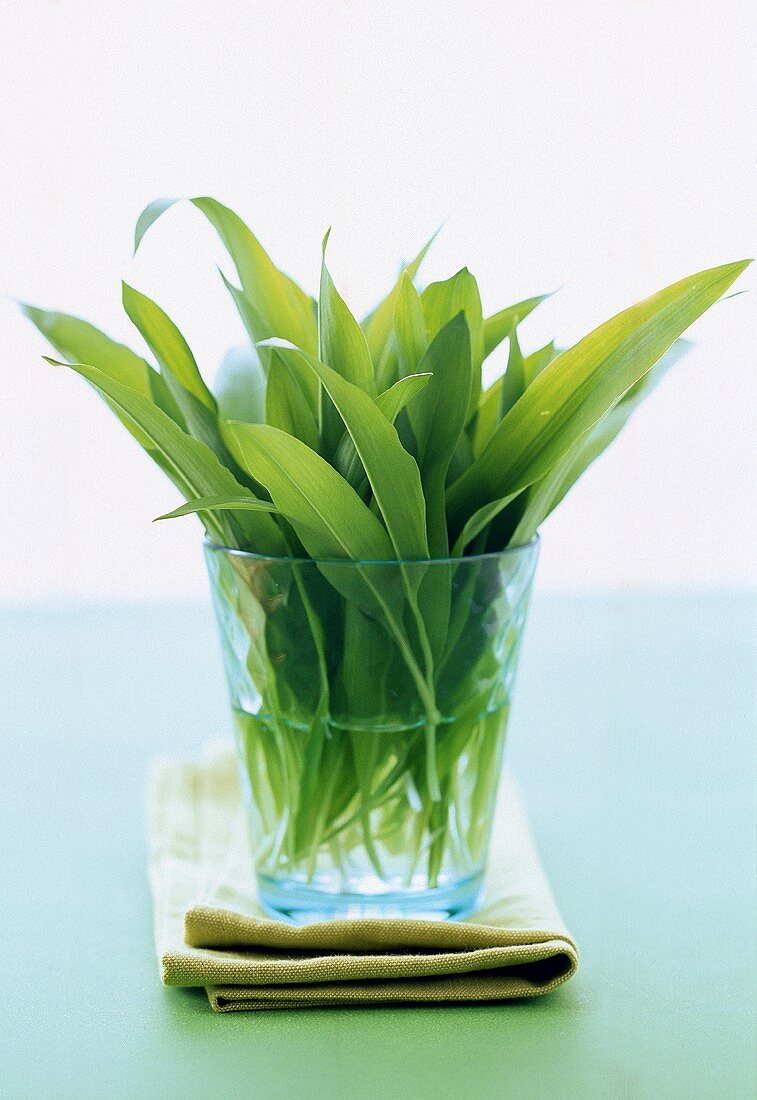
[210,930]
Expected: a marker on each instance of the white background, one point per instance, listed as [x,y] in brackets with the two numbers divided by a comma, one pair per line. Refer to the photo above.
[605,147]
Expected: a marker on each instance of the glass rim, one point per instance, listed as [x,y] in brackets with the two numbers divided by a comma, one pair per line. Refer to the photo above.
[217,547]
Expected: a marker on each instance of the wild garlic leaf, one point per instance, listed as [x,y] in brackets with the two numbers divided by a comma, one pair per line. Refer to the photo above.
[281,307]
[167,344]
[149,215]
[544,496]
[490,403]
[497,327]
[192,466]
[287,404]
[332,522]
[407,341]
[412,267]
[579,387]
[392,472]
[330,519]
[478,521]
[485,421]
[462,457]
[444,300]
[341,341]
[219,504]
[179,370]
[391,402]
[410,339]
[535,363]
[342,346]
[437,420]
[377,326]
[79,342]
[514,381]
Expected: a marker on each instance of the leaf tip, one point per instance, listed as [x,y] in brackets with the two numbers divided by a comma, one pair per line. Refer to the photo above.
[32,312]
[150,214]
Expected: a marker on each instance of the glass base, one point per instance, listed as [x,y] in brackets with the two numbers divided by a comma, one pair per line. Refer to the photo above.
[300,903]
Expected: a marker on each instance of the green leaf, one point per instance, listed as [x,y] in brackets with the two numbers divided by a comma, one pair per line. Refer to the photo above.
[514,380]
[333,523]
[150,214]
[444,300]
[287,404]
[461,459]
[488,414]
[391,402]
[535,363]
[392,472]
[497,327]
[192,466]
[544,496]
[252,322]
[410,339]
[485,421]
[281,308]
[412,267]
[240,386]
[579,387]
[378,324]
[329,517]
[437,419]
[79,342]
[342,346]
[167,344]
[219,504]
[341,342]
[179,370]
[478,521]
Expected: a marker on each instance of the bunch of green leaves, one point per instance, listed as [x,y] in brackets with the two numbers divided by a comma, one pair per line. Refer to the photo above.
[337,439]
[370,441]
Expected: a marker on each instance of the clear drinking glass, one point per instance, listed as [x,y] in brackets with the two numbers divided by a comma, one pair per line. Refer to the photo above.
[370,701]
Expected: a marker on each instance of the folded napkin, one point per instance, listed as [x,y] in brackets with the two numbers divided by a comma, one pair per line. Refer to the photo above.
[211,931]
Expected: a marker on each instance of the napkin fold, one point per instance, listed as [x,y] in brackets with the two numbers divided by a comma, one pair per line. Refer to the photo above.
[211,931]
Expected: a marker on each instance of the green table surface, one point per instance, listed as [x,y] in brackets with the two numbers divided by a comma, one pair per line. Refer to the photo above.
[632,737]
